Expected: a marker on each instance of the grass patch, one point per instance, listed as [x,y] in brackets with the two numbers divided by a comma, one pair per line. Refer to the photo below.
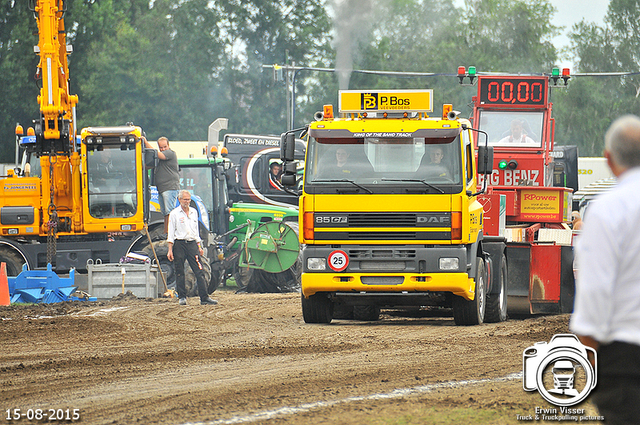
[455,415]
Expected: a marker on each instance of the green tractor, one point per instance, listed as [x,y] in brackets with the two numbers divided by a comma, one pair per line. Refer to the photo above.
[255,244]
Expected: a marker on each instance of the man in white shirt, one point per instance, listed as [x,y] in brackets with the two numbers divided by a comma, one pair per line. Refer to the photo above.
[518,135]
[607,305]
[185,244]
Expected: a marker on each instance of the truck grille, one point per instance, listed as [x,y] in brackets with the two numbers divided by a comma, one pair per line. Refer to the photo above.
[389,236]
[365,254]
[382,220]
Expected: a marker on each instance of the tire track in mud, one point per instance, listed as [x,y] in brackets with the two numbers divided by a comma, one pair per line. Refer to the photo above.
[153,361]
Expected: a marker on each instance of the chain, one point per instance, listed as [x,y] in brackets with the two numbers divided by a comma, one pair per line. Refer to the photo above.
[52,225]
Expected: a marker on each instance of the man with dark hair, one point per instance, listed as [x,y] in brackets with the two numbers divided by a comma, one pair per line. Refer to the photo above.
[275,173]
[607,305]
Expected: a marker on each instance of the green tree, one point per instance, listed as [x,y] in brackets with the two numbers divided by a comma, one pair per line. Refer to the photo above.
[18,89]
[511,36]
[263,32]
[155,69]
[591,103]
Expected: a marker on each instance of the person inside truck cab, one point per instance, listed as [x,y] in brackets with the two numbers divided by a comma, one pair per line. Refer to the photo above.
[518,133]
[275,174]
[435,166]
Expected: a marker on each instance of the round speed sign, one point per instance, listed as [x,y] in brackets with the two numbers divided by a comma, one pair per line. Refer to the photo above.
[338,261]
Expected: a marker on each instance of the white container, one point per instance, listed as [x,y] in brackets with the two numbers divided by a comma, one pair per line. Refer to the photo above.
[105,281]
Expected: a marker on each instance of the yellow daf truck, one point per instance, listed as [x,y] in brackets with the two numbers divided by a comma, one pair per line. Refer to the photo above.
[389,214]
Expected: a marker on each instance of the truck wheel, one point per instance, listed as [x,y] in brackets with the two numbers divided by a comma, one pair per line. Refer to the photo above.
[12,259]
[318,308]
[497,303]
[366,313]
[472,312]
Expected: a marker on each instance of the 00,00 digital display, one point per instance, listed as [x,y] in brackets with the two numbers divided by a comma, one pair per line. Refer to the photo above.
[513,91]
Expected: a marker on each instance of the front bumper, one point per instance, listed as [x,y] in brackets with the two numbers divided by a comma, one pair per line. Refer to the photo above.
[402,283]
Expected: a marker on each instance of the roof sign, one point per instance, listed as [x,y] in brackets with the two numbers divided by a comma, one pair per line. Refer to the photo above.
[359,101]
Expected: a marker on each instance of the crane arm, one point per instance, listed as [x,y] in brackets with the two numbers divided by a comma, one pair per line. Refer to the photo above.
[56,129]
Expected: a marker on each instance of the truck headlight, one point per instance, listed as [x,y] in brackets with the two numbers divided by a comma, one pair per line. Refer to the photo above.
[449,263]
[316,263]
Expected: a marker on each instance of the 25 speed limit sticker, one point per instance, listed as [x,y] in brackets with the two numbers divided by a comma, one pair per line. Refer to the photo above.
[338,261]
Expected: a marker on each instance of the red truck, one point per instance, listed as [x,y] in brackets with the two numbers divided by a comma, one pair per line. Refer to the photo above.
[526,202]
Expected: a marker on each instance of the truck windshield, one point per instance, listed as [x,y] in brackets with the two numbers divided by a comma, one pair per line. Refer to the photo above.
[513,129]
[384,161]
[111,174]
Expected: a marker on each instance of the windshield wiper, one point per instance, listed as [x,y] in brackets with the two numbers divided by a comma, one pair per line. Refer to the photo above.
[343,180]
[415,181]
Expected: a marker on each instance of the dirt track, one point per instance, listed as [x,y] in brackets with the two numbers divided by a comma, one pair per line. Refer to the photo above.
[132,360]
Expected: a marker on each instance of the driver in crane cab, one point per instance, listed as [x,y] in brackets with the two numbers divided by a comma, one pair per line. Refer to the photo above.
[101,170]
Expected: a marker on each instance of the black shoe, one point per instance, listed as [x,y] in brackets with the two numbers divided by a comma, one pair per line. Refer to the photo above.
[208,301]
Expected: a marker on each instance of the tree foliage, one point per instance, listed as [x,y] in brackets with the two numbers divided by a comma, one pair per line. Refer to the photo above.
[587,108]
[174,66]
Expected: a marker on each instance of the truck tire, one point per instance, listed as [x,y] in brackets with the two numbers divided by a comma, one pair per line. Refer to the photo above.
[12,259]
[318,308]
[366,313]
[472,312]
[496,310]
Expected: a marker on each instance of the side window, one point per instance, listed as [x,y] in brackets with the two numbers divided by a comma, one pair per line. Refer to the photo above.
[251,178]
[274,175]
[468,156]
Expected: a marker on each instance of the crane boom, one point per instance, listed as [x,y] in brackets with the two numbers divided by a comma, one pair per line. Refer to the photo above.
[55,130]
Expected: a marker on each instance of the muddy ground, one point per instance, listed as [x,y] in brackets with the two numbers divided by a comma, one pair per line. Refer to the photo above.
[252,359]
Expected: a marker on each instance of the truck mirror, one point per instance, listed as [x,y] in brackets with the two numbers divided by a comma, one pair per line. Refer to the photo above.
[287,146]
[150,158]
[485,159]
[291,167]
[288,180]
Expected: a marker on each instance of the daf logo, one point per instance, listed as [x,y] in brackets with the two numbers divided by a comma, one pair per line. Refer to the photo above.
[432,220]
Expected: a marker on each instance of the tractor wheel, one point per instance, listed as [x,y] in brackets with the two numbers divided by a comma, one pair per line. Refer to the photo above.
[162,248]
[216,279]
[242,276]
[472,312]
[12,259]
[190,281]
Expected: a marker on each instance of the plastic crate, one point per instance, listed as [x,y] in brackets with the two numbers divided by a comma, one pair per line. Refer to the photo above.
[105,281]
